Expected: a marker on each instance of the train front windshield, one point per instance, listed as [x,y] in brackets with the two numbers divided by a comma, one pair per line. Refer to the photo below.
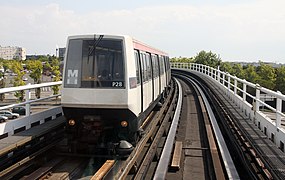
[95,63]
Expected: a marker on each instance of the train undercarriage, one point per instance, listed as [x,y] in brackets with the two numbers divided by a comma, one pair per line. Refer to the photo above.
[101,131]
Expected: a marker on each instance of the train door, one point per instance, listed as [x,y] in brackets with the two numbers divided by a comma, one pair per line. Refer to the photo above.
[165,69]
[155,74]
[145,84]
[143,70]
[163,74]
[169,70]
[148,84]
[150,76]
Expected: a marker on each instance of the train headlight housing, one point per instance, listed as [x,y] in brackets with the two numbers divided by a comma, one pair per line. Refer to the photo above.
[71,122]
[124,123]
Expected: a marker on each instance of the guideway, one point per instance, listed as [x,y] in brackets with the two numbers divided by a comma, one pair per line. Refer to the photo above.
[15,149]
[258,153]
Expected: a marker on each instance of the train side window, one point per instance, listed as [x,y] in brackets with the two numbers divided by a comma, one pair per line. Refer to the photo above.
[158,68]
[162,64]
[153,66]
[154,62]
[165,64]
[148,65]
[137,67]
[145,67]
[142,67]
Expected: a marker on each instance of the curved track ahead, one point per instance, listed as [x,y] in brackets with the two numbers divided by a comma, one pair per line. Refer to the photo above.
[205,155]
[253,153]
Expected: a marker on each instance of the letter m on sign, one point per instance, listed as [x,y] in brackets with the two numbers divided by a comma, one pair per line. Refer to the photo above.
[72,76]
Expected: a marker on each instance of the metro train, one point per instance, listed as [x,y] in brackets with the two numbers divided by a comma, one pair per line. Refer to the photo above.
[110,85]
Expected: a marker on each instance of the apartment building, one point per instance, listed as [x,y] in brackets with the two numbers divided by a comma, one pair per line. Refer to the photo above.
[9,53]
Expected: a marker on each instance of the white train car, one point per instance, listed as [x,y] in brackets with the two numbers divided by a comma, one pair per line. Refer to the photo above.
[111,83]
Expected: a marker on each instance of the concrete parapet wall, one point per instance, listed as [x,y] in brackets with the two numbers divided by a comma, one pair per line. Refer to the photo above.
[26,122]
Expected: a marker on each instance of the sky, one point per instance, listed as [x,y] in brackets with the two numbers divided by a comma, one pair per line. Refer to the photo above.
[236,30]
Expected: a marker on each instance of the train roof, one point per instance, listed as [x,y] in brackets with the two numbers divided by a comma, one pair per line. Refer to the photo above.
[137,44]
[141,46]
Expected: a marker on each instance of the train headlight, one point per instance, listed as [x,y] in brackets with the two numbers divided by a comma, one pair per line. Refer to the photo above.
[71,122]
[124,123]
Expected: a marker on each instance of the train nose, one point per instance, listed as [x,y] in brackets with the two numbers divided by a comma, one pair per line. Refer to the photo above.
[124,148]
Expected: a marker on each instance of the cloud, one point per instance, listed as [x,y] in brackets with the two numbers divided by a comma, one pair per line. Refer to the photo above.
[237,31]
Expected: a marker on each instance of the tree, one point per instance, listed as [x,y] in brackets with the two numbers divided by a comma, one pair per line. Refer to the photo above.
[2,85]
[182,59]
[17,68]
[6,65]
[226,67]
[36,69]
[267,76]
[47,67]
[238,71]
[280,79]
[56,72]
[250,74]
[208,58]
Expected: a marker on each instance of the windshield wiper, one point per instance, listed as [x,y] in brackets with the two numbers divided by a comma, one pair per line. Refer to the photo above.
[95,44]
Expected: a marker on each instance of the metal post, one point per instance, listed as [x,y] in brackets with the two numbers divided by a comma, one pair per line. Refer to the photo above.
[229,82]
[209,72]
[278,111]
[224,79]
[219,75]
[257,97]
[244,91]
[28,97]
[235,86]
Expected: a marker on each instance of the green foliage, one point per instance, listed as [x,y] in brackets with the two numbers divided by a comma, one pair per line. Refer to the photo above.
[251,75]
[208,58]
[182,60]
[36,68]
[280,79]
[2,85]
[47,67]
[237,70]
[43,58]
[56,72]
[17,68]
[3,64]
[267,76]
[226,67]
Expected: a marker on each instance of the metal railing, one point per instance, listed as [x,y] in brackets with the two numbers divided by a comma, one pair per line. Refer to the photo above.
[249,97]
[27,89]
